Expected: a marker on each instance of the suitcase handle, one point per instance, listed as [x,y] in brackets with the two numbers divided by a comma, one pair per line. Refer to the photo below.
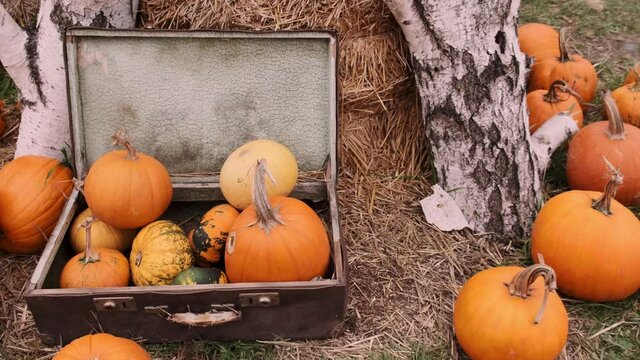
[211,318]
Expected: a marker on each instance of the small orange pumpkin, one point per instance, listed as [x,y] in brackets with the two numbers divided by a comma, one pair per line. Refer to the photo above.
[102,235]
[209,237]
[631,75]
[277,239]
[127,189]
[543,104]
[614,140]
[103,347]
[591,241]
[627,99]
[538,41]
[577,71]
[33,191]
[95,268]
[507,312]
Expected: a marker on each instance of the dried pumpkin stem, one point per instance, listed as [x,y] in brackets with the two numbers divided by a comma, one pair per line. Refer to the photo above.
[89,255]
[266,216]
[636,72]
[603,204]
[521,283]
[564,53]
[616,126]
[120,138]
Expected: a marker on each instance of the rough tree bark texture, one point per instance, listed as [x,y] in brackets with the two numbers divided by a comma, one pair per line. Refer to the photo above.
[471,77]
[33,57]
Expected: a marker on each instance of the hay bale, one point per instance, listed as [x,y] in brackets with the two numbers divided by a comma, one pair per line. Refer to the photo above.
[23,11]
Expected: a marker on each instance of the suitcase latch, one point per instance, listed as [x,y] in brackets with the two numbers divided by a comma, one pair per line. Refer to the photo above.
[259,299]
[115,304]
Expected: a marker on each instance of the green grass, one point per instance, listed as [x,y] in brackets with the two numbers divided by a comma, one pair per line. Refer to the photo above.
[8,90]
[202,350]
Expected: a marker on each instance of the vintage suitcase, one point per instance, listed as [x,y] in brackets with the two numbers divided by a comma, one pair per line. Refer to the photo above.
[189,98]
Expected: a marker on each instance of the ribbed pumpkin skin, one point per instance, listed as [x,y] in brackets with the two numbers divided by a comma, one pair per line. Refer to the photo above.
[587,171]
[32,195]
[490,324]
[539,41]
[236,174]
[102,347]
[159,252]
[210,236]
[296,251]
[540,110]
[126,193]
[102,235]
[627,98]
[112,270]
[197,275]
[594,256]
[578,72]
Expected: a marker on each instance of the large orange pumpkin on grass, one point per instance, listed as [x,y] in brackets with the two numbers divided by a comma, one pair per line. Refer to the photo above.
[577,71]
[236,174]
[102,347]
[276,239]
[627,99]
[509,312]
[539,41]
[592,242]
[127,189]
[543,104]
[619,143]
[33,191]
[95,267]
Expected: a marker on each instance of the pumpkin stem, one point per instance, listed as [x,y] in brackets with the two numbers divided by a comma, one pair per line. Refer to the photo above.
[520,284]
[120,138]
[266,216]
[89,255]
[564,53]
[603,204]
[616,126]
[552,95]
[636,72]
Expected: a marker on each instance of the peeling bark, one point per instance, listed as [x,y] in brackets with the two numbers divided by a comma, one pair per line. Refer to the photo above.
[34,59]
[471,76]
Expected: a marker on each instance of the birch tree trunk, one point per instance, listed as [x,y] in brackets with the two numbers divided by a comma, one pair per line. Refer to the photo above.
[471,76]
[34,59]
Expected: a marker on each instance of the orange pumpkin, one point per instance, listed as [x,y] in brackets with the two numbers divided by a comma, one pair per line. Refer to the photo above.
[127,189]
[210,235]
[614,140]
[102,347]
[277,239]
[577,71]
[538,41]
[631,75]
[102,235]
[543,104]
[95,268]
[33,191]
[592,242]
[627,99]
[509,313]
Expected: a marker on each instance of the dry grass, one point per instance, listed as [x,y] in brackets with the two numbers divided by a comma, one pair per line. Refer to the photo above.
[404,273]
[23,11]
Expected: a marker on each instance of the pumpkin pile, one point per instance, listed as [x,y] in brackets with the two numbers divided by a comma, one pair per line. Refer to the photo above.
[584,242]
[260,235]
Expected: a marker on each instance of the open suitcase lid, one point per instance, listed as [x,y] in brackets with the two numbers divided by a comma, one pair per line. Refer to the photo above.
[189,98]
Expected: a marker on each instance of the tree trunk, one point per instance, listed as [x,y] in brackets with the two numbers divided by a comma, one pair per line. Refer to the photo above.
[34,59]
[471,77]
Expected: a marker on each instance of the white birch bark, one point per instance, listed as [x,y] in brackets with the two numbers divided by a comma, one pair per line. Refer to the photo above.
[34,59]
[471,76]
